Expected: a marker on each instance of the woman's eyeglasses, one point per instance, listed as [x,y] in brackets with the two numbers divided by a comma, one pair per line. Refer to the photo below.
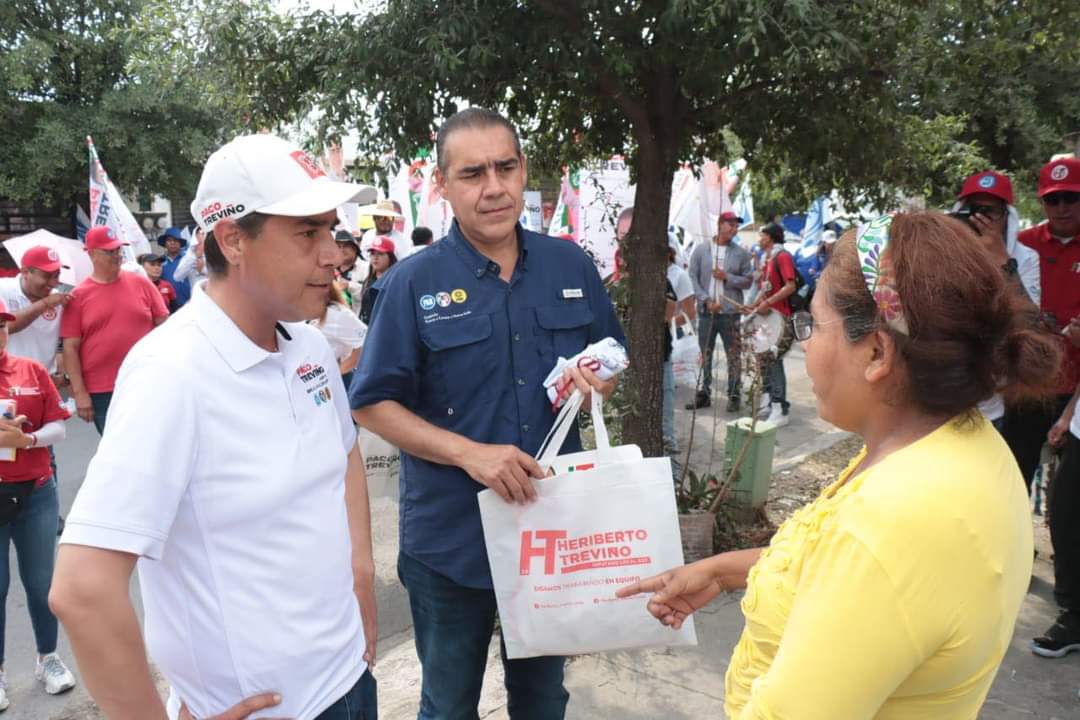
[803,324]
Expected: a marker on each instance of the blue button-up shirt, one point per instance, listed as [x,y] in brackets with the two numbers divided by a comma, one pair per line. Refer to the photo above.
[469,352]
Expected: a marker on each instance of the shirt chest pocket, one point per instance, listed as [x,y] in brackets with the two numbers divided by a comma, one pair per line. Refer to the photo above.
[461,360]
[563,330]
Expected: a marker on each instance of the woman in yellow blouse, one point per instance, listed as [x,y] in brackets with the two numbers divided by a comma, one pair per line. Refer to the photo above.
[895,593]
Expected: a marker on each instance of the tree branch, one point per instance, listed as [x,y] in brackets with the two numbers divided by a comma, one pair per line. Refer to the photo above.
[696,116]
[606,82]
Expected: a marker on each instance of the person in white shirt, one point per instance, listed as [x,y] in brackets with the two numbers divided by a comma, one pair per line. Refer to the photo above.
[32,298]
[384,215]
[239,490]
[192,266]
[422,238]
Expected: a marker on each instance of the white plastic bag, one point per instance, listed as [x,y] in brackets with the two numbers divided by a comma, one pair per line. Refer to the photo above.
[556,563]
[343,329]
[685,355]
[382,463]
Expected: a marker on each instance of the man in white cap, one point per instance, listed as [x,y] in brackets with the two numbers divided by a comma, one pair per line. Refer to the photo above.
[253,541]
[384,215]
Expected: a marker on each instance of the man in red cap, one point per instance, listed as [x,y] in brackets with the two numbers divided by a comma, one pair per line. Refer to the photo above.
[30,297]
[109,312]
[985,203]
[1057,241]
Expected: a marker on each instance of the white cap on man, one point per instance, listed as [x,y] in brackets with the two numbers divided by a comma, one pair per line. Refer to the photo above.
[268,175]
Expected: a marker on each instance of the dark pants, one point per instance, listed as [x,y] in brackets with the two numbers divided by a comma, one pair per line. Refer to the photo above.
[360,703]
[452,626]
[1064,504]
[34,535]
[100,402]
[1026,427]
[774,380]
[726,325]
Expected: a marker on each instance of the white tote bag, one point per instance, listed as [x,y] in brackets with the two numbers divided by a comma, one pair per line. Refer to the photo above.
[556,563]
[685,355]
[554,464]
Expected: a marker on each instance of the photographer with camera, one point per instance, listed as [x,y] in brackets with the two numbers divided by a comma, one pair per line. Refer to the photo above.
[985,203]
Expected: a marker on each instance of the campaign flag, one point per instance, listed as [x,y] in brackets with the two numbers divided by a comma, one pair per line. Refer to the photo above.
[82,222]
[820,212]
[107,208]
[566,223]
[743,206]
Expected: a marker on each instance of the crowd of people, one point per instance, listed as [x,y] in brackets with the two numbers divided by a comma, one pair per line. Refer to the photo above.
[949,342]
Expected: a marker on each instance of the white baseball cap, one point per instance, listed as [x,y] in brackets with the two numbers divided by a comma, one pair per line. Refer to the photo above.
[265,174]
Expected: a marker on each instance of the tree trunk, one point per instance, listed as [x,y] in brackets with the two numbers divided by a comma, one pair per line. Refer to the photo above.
[646,254]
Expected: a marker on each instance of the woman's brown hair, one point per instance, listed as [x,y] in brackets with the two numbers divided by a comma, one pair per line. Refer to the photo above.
[971,331]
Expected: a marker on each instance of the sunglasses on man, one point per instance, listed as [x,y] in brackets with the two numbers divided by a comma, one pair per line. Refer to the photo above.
[1067,197]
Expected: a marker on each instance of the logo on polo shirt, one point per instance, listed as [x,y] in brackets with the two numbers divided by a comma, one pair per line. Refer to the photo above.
[459,296]
[443,299]
[322,397]
[309,373]
[427,302]
[987,181]
[1059,172]
[49,314]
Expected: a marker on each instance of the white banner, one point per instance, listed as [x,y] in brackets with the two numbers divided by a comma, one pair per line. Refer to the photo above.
[421,204]
[532,216]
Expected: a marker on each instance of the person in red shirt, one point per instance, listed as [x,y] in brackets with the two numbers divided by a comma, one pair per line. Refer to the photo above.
[1057,241]
[109,312]
[31,420]
[778,285]
[152,263]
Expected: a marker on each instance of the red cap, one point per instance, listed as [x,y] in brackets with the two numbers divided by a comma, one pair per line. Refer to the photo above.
[729,215]
[1060,175]
[102,237]
[989,182]
[382,244]
[42,258]
[5,316]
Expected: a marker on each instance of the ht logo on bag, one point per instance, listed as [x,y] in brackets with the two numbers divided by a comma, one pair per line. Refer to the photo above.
[568,555]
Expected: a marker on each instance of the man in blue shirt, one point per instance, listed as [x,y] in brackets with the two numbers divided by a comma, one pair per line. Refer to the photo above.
[452,372]
[173,242]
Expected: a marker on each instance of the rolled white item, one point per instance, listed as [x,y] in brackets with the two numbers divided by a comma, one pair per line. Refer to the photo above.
[606,358]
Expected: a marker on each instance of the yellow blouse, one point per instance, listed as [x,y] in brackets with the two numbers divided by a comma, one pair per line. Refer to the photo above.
[894,594]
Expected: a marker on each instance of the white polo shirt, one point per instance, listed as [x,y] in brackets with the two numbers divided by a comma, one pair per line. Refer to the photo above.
[38,340]
[223,468]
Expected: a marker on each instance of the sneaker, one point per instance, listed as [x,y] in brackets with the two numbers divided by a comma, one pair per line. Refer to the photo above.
[701,400]
[52,671]
[764,402]
[778,416]
[733,405]
[3,691]
[1062,638]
